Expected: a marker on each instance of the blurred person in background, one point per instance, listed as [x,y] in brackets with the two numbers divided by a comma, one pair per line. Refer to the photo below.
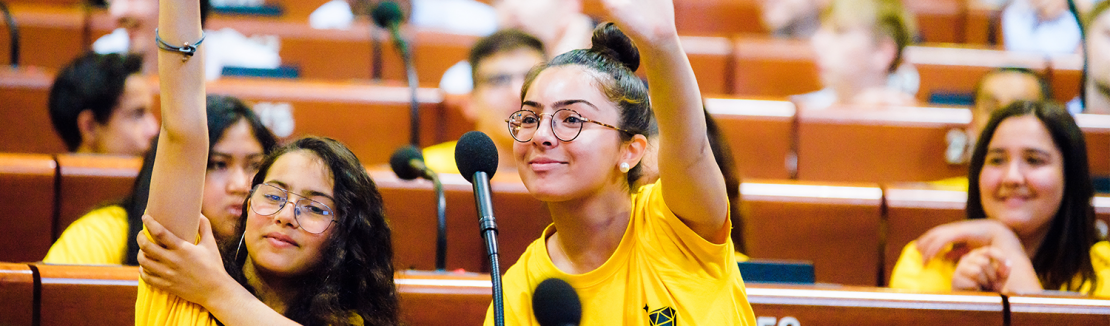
[100,104]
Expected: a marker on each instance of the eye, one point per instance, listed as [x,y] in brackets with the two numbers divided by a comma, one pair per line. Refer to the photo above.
[273,198]
[217,165]
[529,120]
[573,119]
[315,208]
[995,160]
[1036,160]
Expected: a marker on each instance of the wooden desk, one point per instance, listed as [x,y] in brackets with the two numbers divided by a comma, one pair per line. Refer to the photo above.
[1058,310]
[50,34]
[430,298]
[760,134]
[877,145]
[835,305]
[17,293]
[911,210]
[836,226]
[74,295]
[1096,132]
[773,67]
[946,69]
[27,186]
[1066,77]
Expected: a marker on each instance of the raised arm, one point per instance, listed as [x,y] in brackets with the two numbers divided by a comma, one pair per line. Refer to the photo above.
[693,186]
[178,177]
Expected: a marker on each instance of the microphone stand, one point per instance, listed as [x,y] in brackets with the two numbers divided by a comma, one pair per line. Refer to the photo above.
[410,71]
[488,226]
[13,32]
[441,225]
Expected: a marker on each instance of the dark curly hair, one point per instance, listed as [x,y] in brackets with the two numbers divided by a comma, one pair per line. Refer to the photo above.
[613,60]
[1063,259]
[355,276]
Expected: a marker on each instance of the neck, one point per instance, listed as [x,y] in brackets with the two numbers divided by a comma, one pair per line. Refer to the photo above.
[846,93]
[1098,98]
[588,230]
[273,290]
[1033,242]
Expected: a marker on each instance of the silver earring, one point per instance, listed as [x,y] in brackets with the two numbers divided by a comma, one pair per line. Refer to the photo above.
[625,167]
[240,245]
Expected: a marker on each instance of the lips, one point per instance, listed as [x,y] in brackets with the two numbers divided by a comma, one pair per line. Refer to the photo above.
[235,210]
[544,164]
[280,240]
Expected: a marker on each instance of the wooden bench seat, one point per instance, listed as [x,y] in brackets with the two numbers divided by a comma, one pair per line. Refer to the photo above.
[27,211]
[17,294]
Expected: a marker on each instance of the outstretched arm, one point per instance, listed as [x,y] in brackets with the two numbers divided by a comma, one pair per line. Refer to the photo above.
[693,186]
[179,166]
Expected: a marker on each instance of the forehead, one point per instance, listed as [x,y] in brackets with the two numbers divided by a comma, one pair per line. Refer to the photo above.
[515,60]
[569,82]
[302,171]
[1023,132]
[1011,82]
[238,136]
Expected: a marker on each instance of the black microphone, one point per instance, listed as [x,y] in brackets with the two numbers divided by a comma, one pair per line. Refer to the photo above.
[408,164]
[476,157]
[388,15]
[13,33]
[556,304]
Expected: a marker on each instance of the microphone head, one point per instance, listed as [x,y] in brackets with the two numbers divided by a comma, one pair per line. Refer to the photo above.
[387,14]
[401,159]
[556,303]
[475,152]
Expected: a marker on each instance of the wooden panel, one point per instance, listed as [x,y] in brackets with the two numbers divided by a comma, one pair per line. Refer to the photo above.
[1096,132]
[429,298]
[27,213]
[50,35]
[939,21]
[834,226]
[958,70]
[1066,77]
[911,210]
[877,145]
[717,17]
[711,59]
[760,134]
[88,181]
[774,67]
[88,295]
[1058,310]
[410,207]
[831,305]
[25,92]
[371,120]
[17,292]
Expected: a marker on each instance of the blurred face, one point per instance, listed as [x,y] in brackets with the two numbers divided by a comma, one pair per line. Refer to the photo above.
[496,92]
[232,164]
[1049,9]
[554,170]
[537,17]
[1022,180]
[847,52]
[999,90]
[1098,47]
[131,125]
[778,14]
[276,243]
[139,18]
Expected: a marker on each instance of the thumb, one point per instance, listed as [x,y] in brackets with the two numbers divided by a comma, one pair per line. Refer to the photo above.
[207,239]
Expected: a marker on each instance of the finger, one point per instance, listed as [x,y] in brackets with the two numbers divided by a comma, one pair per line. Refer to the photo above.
[206,237]
[151,250]
[162,236]
[153,280]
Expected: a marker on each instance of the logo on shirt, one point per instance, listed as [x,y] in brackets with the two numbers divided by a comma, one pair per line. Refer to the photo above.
[661,317]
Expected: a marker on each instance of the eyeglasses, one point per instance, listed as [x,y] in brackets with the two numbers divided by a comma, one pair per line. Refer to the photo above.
[565,123]
[312,216]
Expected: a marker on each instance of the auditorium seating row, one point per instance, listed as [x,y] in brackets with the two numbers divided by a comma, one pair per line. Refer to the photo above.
[743,65]
[770,139]
[47,295]
[947,21]
[852,232]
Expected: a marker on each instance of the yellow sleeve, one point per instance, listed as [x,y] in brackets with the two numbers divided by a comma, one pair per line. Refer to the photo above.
[98,238]
[677,245]
[910,273]
[156,307]
[1100,260]
[441,158]
[956,183]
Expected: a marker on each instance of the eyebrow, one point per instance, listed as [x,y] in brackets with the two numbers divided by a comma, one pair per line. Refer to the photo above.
[560,104]
[307,193]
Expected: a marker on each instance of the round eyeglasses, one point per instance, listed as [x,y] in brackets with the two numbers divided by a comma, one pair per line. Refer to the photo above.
[313,216]
[566,124]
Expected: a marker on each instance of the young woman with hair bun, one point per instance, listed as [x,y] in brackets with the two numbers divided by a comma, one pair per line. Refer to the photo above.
[658,252]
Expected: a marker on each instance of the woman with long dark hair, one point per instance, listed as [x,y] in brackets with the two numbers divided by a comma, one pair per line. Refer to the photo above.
[1030,221]
[313,244]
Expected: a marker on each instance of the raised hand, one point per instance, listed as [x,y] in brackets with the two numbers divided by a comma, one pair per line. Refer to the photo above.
[193,272]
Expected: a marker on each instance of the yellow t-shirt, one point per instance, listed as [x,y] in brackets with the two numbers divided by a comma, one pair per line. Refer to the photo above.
[157,307]
[98,238]
[441,157]
[956,183]
[660,267]
[910,273]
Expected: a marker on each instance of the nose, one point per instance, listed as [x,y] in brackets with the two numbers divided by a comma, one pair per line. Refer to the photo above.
[1015,173]
[150,125]
[287,215]
[239,182]
[545,133]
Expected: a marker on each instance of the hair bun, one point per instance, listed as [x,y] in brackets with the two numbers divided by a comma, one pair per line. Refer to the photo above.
[610,41]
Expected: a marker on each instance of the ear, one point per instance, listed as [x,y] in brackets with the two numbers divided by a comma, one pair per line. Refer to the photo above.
[634,150]
[88,127]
